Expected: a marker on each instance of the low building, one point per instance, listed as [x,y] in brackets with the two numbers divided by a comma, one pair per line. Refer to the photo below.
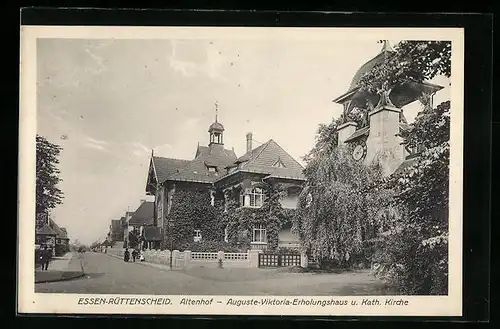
[141,224]
[53,236]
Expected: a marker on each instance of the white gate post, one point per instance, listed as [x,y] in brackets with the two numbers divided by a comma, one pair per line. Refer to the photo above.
[187,258]
[253,257]
[303,260]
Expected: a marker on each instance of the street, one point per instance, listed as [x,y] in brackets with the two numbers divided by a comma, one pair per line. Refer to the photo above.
[105,274]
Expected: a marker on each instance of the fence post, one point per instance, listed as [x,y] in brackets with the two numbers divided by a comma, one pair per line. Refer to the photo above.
[175,255]
[303,260]
[253,257]
[187,258]
[168,254]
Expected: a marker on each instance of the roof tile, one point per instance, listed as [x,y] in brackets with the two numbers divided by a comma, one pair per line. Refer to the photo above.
[143,215]
[262,159]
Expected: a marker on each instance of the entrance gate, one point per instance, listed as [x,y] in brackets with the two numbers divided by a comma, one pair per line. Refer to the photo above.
[278,260]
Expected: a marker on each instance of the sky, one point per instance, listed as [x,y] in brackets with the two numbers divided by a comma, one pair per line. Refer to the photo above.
[110,102]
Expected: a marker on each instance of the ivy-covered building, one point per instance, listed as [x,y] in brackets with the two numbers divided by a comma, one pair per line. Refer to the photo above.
[228,181]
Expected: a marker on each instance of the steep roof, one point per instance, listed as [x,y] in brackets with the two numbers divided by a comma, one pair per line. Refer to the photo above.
[46,230]
[143,215]
[64,233]
[60,233]
[152,233]
[197,170]
[165,167]
[264,158]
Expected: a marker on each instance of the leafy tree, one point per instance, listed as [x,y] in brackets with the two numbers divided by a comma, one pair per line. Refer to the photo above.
[415,250]
[48,195]
[336,209]
[412,61]
[416,253]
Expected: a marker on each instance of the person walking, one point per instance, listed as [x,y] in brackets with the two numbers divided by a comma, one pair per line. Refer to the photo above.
[134,255]
[47,255]
[126,255]
[42,257]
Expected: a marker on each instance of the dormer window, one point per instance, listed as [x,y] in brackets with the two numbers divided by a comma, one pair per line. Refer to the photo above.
[212,169]
[279,164]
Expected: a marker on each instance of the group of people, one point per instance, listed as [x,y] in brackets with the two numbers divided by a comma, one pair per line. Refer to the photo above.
[45,256]
[136,254]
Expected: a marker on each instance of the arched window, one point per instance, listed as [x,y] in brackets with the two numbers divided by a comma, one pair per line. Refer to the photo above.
[256,197]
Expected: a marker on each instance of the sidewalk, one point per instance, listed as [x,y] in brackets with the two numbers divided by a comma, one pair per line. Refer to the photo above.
[62,268]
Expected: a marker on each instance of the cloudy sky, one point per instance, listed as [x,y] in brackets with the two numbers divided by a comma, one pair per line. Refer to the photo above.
[108,103]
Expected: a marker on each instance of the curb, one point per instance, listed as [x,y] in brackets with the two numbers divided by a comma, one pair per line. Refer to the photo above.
[60,277]
[148,264]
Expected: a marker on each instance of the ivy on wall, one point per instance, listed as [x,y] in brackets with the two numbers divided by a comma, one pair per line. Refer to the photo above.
[192,210]
[272,216]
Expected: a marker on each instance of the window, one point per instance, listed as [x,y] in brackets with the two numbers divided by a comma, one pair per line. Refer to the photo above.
[309,200]
[259,234]
[279,164]
[256,197]
[197,235]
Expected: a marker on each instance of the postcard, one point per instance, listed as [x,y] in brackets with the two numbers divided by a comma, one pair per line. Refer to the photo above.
[241,171]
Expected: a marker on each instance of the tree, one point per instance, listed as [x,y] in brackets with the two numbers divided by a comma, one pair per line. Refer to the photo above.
[415,250]
[336,209]
[412,61]
[48,195]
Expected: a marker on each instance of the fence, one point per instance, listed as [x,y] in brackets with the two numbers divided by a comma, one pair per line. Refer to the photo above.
[280,260]
[187,259]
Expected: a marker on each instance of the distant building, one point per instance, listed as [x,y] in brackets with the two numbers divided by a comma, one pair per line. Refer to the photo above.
[141,222]
[116,230]
[53,236]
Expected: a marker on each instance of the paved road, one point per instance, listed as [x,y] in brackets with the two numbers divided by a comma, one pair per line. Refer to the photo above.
[109,275]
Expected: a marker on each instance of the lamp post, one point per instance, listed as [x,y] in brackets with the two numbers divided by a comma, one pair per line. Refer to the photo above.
[171,242]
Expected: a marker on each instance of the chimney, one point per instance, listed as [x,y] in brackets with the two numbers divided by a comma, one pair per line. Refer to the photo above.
[249,142]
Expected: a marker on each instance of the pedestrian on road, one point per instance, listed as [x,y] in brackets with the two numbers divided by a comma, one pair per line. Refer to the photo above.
[134,255]
[126,255]
[46,256]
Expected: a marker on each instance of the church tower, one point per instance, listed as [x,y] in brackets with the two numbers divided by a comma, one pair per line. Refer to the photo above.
[216,131]
[377,140]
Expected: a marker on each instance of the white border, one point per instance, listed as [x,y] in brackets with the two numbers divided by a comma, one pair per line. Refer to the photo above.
[30,302]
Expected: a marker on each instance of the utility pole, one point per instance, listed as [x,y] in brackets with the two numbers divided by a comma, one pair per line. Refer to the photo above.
[171,243]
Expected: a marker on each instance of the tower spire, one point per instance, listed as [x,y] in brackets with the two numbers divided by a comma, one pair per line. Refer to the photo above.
[216,110]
